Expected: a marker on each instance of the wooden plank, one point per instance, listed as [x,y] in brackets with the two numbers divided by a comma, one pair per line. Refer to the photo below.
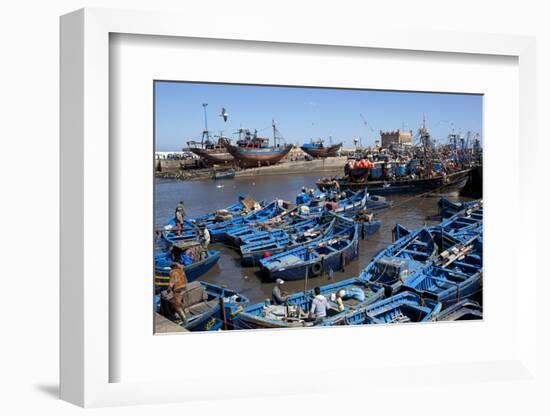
[165,326]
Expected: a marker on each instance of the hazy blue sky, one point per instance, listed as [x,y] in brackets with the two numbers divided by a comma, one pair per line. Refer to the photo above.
[302,114]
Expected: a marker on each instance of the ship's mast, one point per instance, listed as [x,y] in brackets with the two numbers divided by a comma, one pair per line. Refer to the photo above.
[274,133]
[205,132]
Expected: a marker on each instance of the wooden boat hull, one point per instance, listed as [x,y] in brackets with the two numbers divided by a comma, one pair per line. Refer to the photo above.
[191,231]
[170,236]
[254,317]
[322,152]
[376,203]
[449,284]
[413,252]
[452,182]
[401,308]
[465,224]
[409,253]
[366,229]
[448,208]
[219,232]
[213,157]
[319,265]
[256,157]
[281,241]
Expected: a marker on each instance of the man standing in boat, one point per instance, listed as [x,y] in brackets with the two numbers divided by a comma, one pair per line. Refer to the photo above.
[319,306]
[204,236]
[180,217]
[176,286]
[278,296]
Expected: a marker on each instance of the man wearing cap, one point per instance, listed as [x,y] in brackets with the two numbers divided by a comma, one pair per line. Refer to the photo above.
[176,286]
[278,296]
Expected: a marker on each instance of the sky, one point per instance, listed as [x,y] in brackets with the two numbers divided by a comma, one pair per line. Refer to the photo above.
[302,114]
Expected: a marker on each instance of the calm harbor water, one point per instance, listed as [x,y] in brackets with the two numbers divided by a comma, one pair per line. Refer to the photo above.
[201,197]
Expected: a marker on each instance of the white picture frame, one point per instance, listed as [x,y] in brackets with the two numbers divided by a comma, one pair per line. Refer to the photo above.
[87,356]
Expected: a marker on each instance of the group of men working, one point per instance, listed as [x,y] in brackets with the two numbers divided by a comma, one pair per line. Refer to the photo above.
[178,282]
[178,279]
[319,304]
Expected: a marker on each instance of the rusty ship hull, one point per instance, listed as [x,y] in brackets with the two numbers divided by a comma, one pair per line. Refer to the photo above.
[253,157]
[215,157]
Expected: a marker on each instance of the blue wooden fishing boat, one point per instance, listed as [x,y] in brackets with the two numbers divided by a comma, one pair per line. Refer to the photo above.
[414,251]
[305,232]
[207,307]
[193,270]
[310,196]
[219,231]
[368,228]
[455,275]
[330,253]
[295,226]
[244,206]
[170,236]
[224,174]
[465,310]
[401,308]
[377,202]
[281,234]
[294,313]
[409,253]
[466,223]
[354,202]
[368,225]
[461,226]
[322,202]
[253,235]
[278,225]
[448,208]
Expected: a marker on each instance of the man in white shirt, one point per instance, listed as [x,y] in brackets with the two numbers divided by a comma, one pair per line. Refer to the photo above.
[319,306]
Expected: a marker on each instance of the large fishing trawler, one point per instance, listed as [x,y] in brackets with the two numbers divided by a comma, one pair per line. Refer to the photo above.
[254,151]
[214,153]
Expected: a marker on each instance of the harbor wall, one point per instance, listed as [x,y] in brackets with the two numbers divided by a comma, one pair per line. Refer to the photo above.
[330,164]
[171,169]
[174,165]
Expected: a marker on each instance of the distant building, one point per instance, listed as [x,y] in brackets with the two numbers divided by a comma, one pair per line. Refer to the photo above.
[396,137]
